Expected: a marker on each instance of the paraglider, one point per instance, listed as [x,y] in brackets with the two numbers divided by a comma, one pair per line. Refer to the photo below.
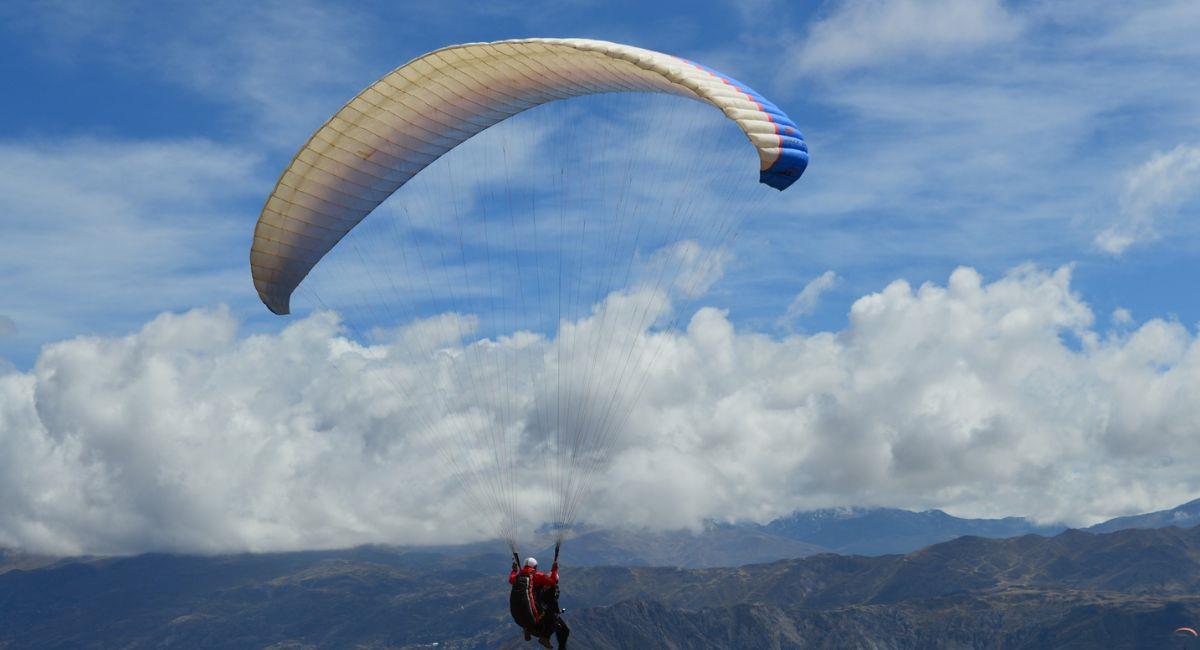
[1186,633]
[513,297]
[534,601]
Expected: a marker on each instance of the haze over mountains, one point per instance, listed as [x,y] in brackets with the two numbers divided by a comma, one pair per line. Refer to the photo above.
[848,531]
[879,531]
[855,531]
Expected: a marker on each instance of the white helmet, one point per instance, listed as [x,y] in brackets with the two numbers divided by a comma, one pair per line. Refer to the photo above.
[530,562]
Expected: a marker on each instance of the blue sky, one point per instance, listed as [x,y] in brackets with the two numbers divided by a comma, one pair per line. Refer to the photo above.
[978,297]
[984,135]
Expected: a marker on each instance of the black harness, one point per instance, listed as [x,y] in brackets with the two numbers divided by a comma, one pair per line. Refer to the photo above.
[523,602]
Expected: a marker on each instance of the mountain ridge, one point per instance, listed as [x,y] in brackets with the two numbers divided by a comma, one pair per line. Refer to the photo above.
[1183,516]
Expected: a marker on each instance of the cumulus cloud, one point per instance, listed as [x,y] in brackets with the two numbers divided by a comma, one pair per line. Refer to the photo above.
[863,33]
[1153,192]
[987,398]
[689,267]
[806,301]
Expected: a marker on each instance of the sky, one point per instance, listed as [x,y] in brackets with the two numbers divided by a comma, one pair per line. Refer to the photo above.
[978,297]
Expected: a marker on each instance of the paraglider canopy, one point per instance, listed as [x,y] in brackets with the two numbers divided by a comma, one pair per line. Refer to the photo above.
[1186,633]
[412,116]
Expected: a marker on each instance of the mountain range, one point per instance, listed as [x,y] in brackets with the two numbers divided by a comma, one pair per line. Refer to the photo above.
[1130,588]
[1077,588]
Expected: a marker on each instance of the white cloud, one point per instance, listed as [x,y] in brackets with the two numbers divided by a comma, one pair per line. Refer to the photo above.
[1122,317]
[690,268]
[90,223]
[863,33]
[1153,192]
[436,331]
[187,436]
[806,301]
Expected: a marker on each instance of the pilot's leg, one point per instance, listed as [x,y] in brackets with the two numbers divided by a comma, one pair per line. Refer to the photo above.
[561,632]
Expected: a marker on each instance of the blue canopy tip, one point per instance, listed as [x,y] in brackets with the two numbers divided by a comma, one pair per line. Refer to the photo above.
[786,170]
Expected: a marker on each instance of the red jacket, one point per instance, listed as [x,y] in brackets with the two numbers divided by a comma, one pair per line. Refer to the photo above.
[539,579]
